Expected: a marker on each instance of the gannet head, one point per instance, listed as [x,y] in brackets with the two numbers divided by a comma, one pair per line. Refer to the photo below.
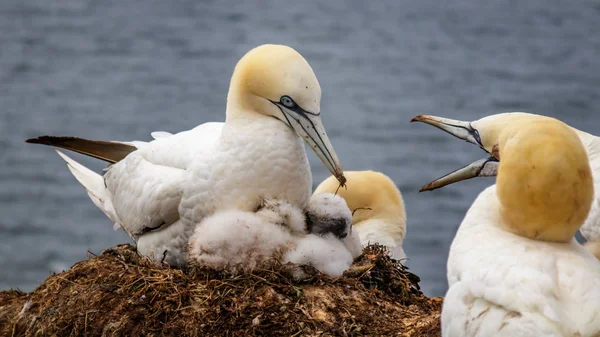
[370,195]
[544,181]
[276,81]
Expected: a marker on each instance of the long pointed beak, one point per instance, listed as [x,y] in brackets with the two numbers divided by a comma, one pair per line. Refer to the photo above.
[310,127]
[482,168]
[459,129]
[463,130]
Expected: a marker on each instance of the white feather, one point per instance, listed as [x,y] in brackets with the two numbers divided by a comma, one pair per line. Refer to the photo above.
[353,244]
[283,213]
[325,253]
[502,284]
[160,134]
[378,231]
[94,186]
[591,227]
[238,242]
[329,206]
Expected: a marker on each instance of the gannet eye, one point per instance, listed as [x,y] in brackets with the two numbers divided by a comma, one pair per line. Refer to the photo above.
[287,101]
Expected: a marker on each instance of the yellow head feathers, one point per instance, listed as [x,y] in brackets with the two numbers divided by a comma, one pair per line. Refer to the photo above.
[269,72]
[276,81]
[490,127]
[544,180]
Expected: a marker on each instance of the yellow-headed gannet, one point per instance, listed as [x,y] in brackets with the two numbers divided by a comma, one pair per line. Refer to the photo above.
[515,268]
[377,205]
[158,191]
[468,132]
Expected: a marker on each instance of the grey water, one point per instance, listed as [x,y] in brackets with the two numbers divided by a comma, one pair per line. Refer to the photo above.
[118,70]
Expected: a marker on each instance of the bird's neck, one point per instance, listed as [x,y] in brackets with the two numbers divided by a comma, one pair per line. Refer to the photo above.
[591,144]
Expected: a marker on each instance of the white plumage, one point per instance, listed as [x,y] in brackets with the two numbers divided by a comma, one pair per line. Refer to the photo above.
[515,268]
[329,213]
[239,241]
[378,208]
[326,253]
[502,284]
[591,227]
[159,191]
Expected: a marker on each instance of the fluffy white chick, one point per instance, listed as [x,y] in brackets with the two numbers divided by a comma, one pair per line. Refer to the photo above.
[379,215]
[285,214]
[328,213]
[326,253]
[239,241]
[331,245]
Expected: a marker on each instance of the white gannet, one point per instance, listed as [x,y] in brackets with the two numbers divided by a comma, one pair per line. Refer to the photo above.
[239,241]
[468,131]
[378,208]
[158,191]
[515,268]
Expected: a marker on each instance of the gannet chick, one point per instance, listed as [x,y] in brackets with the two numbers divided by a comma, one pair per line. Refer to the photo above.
[159,191]
[377,205]
[469,131]
[328,213]
[284,214]
[326,253]
[515,268]
[239,241]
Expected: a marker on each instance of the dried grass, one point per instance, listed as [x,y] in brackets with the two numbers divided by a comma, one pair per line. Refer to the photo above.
[118,293]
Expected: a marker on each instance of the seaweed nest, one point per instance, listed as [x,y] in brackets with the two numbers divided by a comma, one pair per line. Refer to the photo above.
[119,293]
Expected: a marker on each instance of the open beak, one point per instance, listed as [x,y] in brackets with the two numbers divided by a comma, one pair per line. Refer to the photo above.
[487,167]
[309,126]
[481,168]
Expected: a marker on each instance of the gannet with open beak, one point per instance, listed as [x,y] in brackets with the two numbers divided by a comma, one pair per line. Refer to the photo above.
[377,206]
[469,131]
[515,268]
[158,191]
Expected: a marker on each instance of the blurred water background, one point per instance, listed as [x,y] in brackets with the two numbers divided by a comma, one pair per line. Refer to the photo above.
[118,70]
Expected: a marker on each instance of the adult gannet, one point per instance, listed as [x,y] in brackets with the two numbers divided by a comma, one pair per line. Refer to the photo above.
[158,191]
[377,205]
[469,131]
[515,268]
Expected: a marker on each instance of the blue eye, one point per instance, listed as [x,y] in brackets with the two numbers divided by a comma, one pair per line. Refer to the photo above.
[287,101]
[477,137]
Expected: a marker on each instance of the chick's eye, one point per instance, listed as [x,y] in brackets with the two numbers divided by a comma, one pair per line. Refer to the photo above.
[287,101]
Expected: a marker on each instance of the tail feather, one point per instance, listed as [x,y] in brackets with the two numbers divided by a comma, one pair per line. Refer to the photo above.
[111,152]
[94,185]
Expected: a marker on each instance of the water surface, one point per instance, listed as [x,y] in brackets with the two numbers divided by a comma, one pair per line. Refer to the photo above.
[103,70]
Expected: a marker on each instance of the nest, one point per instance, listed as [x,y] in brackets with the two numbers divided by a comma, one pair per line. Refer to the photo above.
[119,293]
